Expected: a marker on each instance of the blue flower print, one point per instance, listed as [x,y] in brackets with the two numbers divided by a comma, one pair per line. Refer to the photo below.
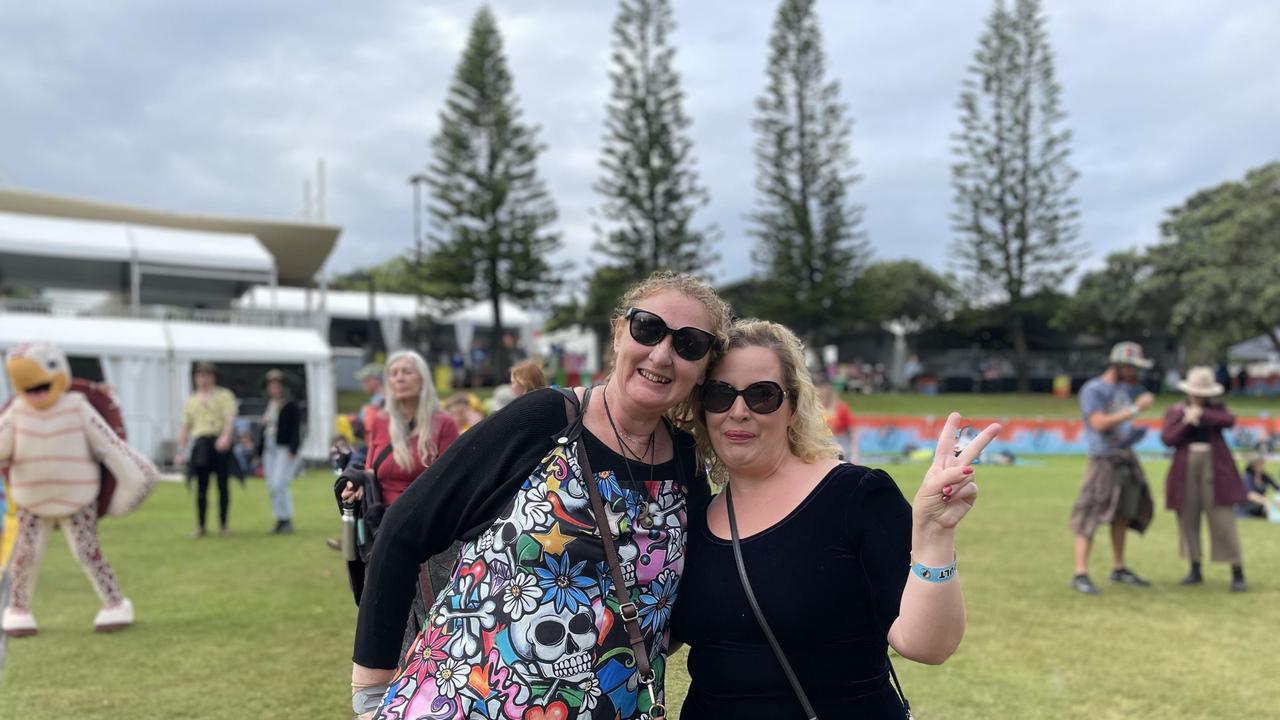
[655,604]
[562,584]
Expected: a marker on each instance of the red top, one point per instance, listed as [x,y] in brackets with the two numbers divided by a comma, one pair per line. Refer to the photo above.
[839,419]
[1227,487]
[392,478]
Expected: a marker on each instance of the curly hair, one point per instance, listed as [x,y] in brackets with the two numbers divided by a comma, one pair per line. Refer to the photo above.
[808,436]
[694,288]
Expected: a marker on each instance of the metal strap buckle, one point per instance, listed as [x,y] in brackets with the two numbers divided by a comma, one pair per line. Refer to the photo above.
[631,616]
[657,711]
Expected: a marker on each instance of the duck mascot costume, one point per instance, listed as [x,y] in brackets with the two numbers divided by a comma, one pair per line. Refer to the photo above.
[66,465]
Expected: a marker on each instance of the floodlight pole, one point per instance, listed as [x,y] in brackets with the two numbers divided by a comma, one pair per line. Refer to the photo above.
[417,180]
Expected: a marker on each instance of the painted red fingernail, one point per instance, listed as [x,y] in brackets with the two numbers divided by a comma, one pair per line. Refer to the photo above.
[946,489]
[967,470]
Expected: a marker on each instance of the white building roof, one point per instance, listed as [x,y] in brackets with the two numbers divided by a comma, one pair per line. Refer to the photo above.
[55,237]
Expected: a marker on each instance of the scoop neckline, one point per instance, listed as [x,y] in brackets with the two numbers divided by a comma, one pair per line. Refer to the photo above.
[624,458]
[808,499]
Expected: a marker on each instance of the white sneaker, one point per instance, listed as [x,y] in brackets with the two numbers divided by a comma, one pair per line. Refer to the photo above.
[18,623]
[110,619]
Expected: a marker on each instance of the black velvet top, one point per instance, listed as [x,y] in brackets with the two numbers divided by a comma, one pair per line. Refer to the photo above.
[829,579]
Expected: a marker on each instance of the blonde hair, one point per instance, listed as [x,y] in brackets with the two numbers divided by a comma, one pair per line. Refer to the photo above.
[808,436]
[529,374]
[428,405]
[691,287]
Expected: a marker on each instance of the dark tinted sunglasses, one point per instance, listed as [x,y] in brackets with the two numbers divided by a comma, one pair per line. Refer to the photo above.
[761,397]
[689,343]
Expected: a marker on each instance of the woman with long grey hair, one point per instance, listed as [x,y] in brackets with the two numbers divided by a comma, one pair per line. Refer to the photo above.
[406,438]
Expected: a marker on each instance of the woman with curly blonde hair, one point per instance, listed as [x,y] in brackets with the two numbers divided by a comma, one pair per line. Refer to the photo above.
[837,565]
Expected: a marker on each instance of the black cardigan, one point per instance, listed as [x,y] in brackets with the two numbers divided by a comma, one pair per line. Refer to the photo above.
[288,429]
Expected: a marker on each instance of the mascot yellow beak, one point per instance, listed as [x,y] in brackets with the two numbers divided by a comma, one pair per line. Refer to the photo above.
[40,385]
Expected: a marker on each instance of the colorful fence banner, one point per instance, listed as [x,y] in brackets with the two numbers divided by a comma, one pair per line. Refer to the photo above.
[900,434]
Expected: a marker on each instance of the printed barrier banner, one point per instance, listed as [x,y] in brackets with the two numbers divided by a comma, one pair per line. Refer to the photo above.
[901,435]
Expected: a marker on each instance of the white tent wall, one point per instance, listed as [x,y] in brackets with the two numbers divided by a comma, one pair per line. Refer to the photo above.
[194,342]
[145,399]
[148,363]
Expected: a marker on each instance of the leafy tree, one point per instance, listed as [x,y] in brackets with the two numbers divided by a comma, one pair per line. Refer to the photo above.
[1122,299]
[1219,260]
[650,188]
[904,291]
[808,239]
[1016,221]
[491,214]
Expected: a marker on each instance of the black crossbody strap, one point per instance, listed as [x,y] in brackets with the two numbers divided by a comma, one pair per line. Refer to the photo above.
[621,591]
[755,608]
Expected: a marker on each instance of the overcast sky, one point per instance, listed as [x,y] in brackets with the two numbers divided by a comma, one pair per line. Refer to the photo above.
[223,107]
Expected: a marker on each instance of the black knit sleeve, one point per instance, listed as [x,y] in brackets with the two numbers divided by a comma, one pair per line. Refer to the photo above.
[456,498]
[289,427]
[878,523]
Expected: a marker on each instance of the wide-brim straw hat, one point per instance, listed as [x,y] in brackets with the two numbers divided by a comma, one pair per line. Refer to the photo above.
[1200,383]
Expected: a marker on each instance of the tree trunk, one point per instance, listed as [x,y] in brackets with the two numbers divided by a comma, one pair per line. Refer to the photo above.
[1020,361]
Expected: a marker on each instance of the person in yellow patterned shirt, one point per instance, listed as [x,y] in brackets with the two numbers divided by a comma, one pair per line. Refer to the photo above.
[208,421]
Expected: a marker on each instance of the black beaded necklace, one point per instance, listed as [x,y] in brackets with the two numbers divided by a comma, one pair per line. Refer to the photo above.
[651,449]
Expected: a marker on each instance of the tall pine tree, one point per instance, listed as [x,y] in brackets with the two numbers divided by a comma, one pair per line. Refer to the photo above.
[649,186]
[1016,222]
[808,240]
[491,214]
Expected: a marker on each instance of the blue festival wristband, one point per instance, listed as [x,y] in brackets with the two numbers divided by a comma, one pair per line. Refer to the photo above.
[934,574]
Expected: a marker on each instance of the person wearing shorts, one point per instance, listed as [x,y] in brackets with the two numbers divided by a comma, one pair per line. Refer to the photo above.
[1115,490]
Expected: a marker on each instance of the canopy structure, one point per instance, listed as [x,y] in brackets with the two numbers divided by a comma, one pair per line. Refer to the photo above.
[390,310]
[148,364]
[1258,349]
[467,320]
[299,249]
[147,264]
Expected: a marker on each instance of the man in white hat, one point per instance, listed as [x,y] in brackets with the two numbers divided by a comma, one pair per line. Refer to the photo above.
[1115,490]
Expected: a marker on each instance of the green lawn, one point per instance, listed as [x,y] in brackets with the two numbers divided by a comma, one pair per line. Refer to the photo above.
[1018,405]
[255,626]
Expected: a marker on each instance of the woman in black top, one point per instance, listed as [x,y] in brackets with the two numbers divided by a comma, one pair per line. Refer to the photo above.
[278,445]
[828,547]
[530,625]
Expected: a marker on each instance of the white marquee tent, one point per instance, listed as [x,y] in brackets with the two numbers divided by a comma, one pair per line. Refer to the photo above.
[148,364]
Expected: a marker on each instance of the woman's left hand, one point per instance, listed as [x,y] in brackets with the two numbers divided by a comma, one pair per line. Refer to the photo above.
[948,491]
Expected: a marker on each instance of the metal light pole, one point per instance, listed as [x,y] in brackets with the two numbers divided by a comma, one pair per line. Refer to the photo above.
[417,180]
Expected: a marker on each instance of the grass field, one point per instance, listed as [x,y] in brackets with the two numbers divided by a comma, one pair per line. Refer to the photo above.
[254,626]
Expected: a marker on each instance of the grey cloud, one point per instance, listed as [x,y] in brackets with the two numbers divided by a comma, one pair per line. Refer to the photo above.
[224,107]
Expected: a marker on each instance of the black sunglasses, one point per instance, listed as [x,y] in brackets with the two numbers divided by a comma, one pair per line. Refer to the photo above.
[690,343]
[762,397]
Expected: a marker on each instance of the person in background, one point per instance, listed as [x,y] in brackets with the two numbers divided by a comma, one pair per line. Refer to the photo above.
[208,420]
[1115,489]
[1202,477]
[839,419]
[370,377]
[527,376]
[502,397]
[1256,484]
[462,408]
[911,369]
[278,447]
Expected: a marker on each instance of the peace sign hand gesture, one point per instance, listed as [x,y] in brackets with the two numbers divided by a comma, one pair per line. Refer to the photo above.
[948,491]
